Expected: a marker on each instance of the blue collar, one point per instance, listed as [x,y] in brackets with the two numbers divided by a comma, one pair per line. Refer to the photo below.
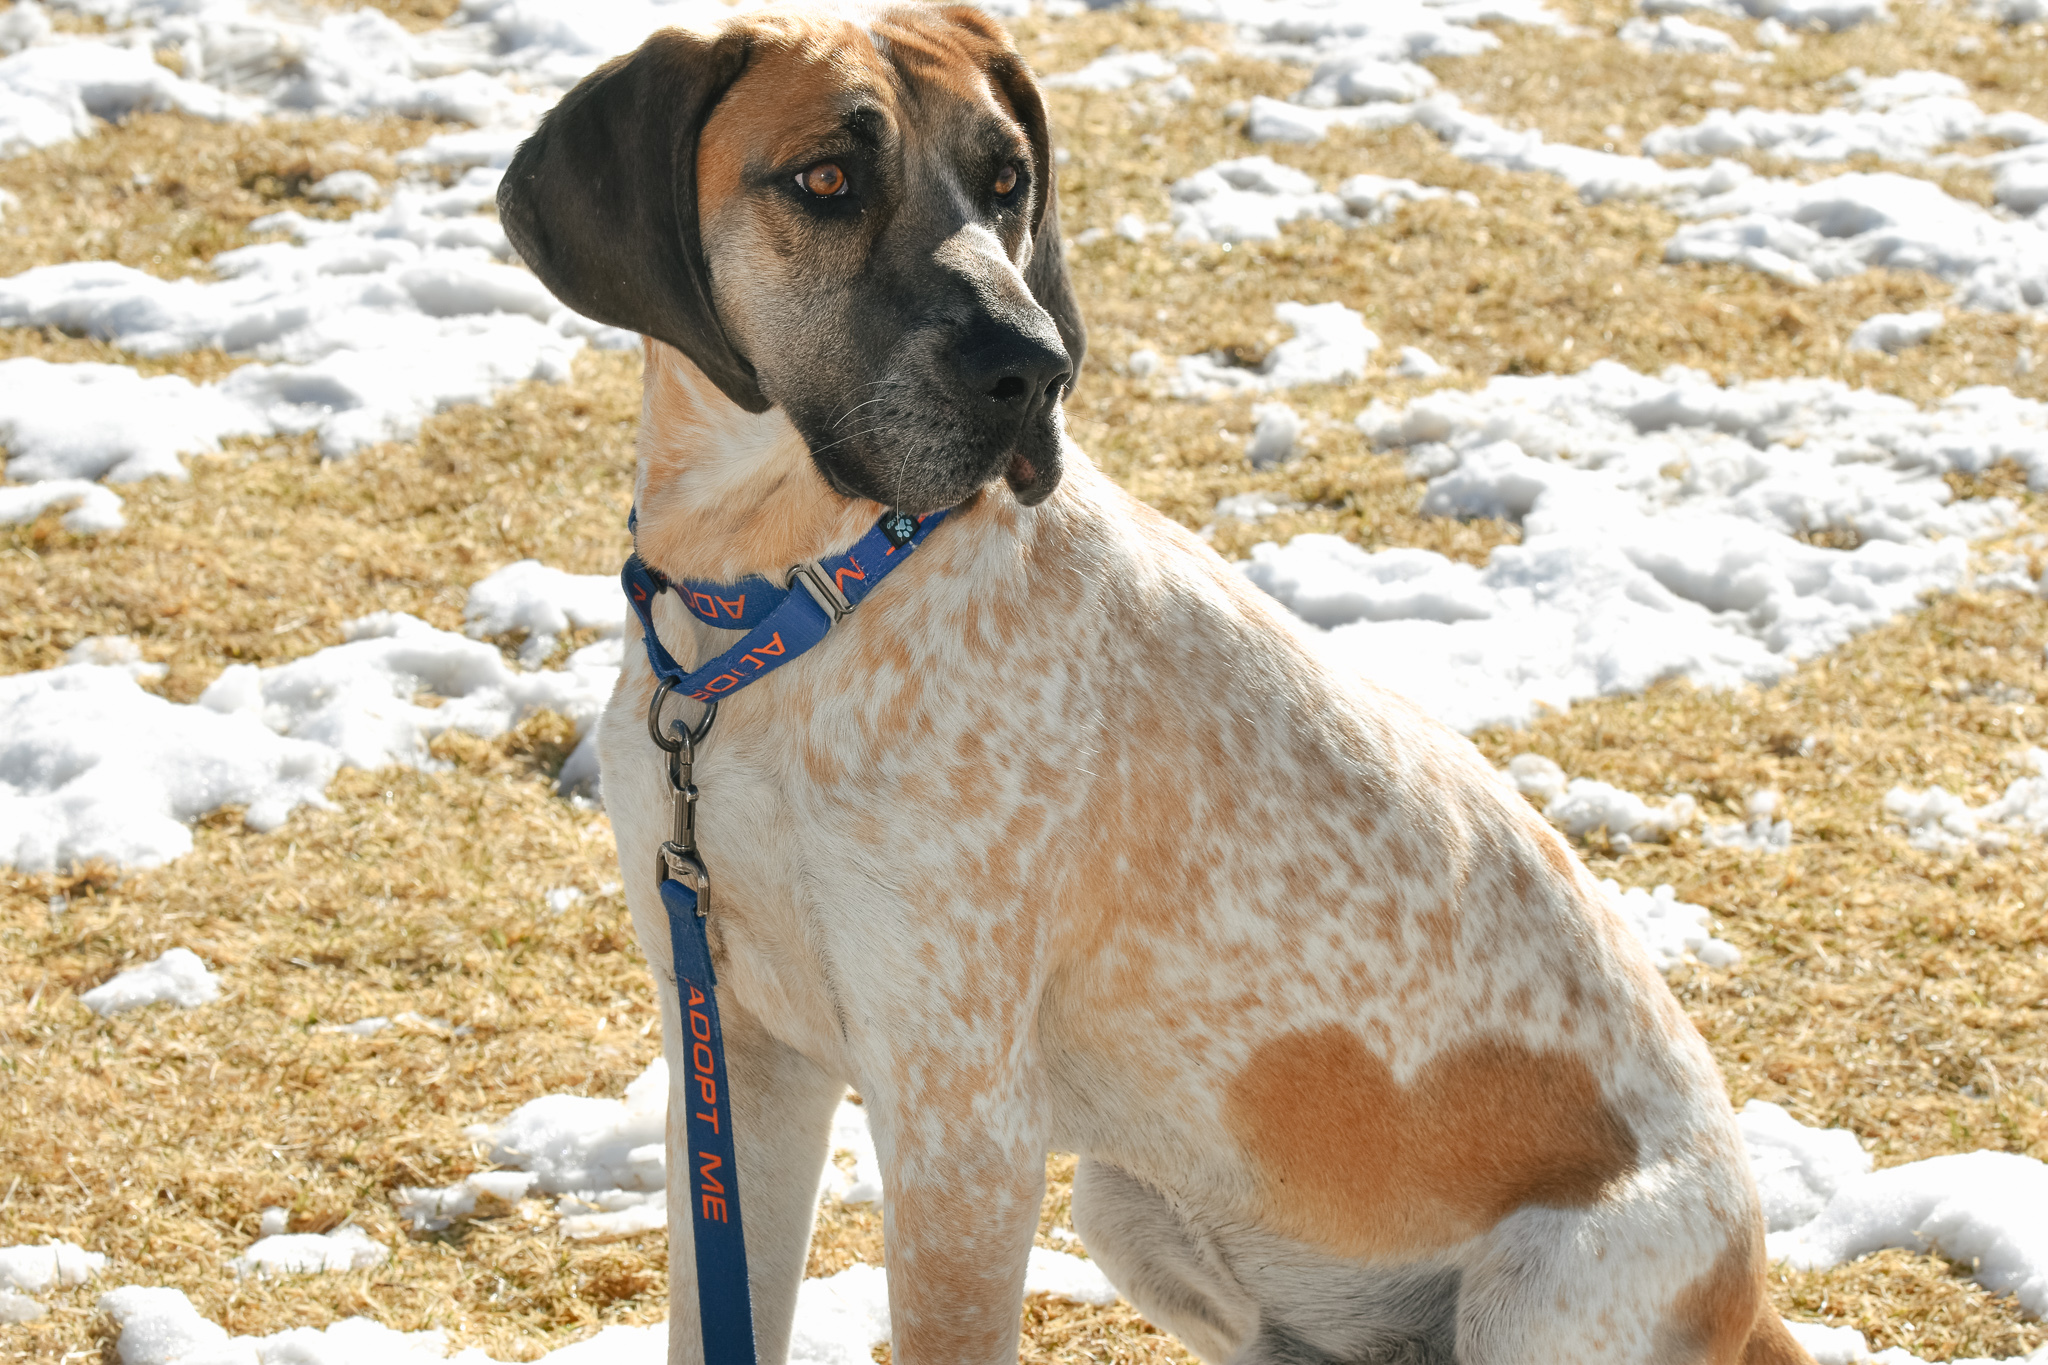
[780,622]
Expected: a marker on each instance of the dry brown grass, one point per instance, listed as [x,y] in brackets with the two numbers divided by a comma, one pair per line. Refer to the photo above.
[1898,993]
[166,194]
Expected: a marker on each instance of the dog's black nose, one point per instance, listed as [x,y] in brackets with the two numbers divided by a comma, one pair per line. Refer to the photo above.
[1014,369]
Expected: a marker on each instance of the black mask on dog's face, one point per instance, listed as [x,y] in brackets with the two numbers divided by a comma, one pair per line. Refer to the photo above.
[854,224]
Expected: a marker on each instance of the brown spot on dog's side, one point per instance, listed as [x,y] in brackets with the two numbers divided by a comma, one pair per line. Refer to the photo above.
[1351,1160]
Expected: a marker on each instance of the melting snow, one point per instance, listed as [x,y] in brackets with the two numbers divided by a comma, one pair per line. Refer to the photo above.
[1661,521]
[543,602]
[1760,833]
[484,1194]
[33,1269]
[1942,822]
[1904,117]
[1894,332]
[1671,34]
[1806,233]
[93,766]
[1830,14]
[307,1253]
[1329,346]
[26,1270]
[177,976]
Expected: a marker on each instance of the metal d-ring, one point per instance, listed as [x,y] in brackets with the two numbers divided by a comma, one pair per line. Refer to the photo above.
[685,737]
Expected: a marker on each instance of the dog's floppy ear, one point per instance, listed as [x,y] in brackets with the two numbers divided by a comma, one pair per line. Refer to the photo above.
[601,201]
[1046,272]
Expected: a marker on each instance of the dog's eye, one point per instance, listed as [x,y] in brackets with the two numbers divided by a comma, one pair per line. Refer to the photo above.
[824,180]
[1006,180]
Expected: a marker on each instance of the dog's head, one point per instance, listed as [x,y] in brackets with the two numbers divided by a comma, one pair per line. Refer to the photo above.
[849,219]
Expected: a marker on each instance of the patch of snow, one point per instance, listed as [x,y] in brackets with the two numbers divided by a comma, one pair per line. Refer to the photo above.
[1246,200]
[1354,76]
[1253,506]
[1941,822]
[1580,805]
[562,897]
[1834,15]
[1894,332]
[609,1215]
[1329,346]
[1806,233]
[1759,834]
[544,602]
[1308,31]
[485,1194]
[1672,34]
[409,1020]
[1905,117]
[1798,1169]
[2022,186]
[19,1308]
[1417,363]
[1586,805]
[274,1220]
[366,327]
[1823,1206]
[1114,71]
[1275,429]
[93,509]
[88,421]
[307,1253]
[33,1269]
[578,1143]
[93,766]
[1596,175]
[1674,931]
[1067,1277]
[361,1028]
[360,186]
[177,976]
[1375,199]
[356,699]
[1661,533]
[850,1134]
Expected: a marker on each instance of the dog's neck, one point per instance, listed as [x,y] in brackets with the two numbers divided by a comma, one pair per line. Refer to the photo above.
[723,492]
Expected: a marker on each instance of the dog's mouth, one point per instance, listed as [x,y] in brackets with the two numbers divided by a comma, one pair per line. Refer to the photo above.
[1030,467]
[1020,473]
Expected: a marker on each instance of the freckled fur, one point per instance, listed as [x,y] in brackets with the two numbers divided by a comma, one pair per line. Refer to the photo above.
[1068,840]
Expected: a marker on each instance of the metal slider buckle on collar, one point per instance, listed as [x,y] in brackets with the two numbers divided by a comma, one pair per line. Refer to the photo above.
[811,574]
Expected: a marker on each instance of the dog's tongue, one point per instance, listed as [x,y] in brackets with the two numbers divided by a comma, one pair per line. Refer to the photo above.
[1021,473]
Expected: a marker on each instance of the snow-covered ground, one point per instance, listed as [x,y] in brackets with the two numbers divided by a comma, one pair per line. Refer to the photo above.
[1666,531]
[93,766]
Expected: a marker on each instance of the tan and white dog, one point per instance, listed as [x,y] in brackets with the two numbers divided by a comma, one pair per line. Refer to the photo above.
[1065,840]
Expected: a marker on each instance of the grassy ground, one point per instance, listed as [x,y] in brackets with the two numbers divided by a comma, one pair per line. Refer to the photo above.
[1898,993]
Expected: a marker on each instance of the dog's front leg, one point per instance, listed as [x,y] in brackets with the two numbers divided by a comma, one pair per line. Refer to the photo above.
[782,1105]
[963,1169]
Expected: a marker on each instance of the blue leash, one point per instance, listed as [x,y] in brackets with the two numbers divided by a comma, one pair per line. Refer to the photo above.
[781,623]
